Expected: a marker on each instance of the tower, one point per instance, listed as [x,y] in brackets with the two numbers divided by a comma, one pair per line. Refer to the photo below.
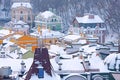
[41,62]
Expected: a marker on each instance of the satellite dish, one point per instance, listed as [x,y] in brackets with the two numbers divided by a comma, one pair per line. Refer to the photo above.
[75,77]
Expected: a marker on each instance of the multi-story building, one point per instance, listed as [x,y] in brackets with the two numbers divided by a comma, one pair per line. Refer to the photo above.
[22,11]
[49,20]
[89,24]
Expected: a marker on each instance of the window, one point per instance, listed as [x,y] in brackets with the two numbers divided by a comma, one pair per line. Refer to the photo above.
[21,12]
[29,18]
[21,17]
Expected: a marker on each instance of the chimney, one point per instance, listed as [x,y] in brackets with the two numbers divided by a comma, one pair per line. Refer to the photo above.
[91,16]
[41,64]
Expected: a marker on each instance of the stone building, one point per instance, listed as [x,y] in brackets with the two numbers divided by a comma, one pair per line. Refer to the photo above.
[22,11]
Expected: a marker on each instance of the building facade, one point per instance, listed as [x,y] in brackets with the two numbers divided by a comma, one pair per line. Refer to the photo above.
[49,20]
[89,24]
[22,11]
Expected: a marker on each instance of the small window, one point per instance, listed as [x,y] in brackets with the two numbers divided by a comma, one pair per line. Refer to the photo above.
[55,20]
[29,18]
[21,12]
[52,20]
[21,17]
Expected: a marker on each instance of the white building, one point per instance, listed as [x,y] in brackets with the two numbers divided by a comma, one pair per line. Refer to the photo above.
[49,20]
[89,24]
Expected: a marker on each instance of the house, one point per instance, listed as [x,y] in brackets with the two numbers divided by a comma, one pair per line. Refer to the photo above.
[27,42]
[89,24]
[88,20]
[22,11]
[21,27]
[49,20]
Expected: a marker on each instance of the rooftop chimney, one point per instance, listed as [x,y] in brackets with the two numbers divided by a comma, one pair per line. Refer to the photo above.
[41,57]
[91,16]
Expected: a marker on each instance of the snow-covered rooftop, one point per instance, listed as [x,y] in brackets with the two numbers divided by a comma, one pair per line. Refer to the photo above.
[12,54]
[21,22]
[4,32]
[86,19]
[49,34]
[71,37]
[46,14]
[17,36]
[113,60]
[15,63]
[24,4]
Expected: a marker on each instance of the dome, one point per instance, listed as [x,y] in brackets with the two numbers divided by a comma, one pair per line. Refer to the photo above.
[113,62]
[75,77]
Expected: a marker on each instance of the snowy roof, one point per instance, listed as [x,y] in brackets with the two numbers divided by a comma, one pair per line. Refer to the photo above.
[82,41]
[71,37]
[18,4]
[17,36]
[46,14]
[113,60]
[4,32]
[56,49]
[67,64]
[49,34]
[20,22]
[12,54]
[86,19]
[15,63]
